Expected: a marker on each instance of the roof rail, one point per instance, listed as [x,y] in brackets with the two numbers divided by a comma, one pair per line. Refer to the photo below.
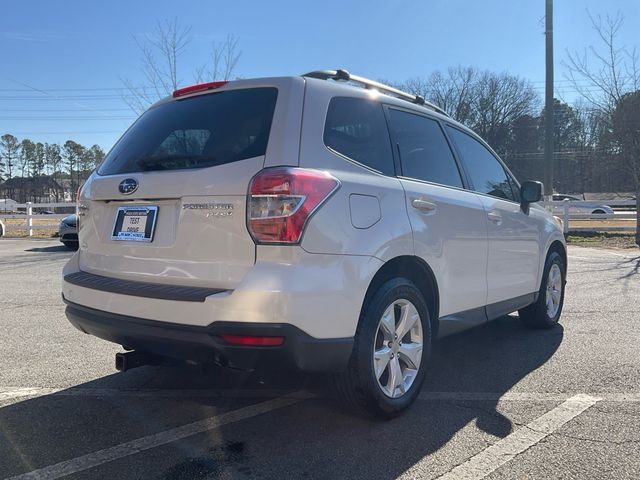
[372,84]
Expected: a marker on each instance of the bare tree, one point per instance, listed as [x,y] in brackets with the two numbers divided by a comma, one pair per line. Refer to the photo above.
[626,131]
[486,101]
[612,73]
[161,53]
[593,126]
[497,101]
[602,75]
[455,91]
[224,59]
[452,91]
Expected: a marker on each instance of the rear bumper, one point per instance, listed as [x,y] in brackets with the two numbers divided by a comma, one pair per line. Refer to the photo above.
[319,294]
[300,351]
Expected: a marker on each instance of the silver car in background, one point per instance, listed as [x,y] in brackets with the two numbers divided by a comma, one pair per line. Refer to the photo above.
[584,207]
[69,231]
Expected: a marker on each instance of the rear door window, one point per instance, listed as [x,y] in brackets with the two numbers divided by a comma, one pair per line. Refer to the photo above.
[196,132]
[485,171]
[357,129]
[424,150]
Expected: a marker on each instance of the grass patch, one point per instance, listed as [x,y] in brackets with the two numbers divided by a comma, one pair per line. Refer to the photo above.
[602,239]
[39,233]
[17,227]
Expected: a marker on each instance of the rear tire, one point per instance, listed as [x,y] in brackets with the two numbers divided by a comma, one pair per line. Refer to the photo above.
[382,378]
[545,313]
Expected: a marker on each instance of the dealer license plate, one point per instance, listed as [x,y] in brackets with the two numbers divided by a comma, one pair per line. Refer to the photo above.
[135,224]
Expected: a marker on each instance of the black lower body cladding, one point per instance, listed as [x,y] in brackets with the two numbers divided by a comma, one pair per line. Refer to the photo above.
[299,350]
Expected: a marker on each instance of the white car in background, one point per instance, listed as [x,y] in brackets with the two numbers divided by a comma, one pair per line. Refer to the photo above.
[307,222]
[585,207]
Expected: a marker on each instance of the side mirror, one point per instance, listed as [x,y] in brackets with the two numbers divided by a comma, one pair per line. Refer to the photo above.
[530,192]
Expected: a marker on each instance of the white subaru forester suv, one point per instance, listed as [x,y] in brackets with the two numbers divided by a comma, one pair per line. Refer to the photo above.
[311,223]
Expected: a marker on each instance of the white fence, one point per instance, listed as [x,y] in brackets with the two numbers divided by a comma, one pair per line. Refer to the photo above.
[33,211]
[623,220]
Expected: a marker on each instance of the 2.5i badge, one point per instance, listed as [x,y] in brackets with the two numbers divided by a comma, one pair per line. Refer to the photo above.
[212,209]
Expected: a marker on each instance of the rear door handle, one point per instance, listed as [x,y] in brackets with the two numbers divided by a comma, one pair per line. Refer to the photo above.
[423,206]
[494,217]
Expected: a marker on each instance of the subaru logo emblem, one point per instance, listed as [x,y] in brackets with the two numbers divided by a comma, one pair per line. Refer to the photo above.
[128,186]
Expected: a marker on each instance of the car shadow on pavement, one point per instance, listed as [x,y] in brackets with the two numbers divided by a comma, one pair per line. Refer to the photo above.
[491,359]
[54,248]
[312,439]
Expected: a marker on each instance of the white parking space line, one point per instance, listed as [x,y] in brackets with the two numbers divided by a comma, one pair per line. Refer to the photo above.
[505,450]
[31,392]
[598,252]
[132,447]
[495,396]
[10,393]
[523,396]
[16,394]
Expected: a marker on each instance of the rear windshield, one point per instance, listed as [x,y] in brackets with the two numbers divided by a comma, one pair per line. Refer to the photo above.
[196,132]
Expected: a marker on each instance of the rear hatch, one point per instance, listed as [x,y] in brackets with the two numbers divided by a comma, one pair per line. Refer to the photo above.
[167,205]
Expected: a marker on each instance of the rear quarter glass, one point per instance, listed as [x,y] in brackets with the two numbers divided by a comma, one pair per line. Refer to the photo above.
[196,132]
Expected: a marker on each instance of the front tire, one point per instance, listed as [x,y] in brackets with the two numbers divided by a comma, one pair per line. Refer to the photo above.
[391,350]
[545,313]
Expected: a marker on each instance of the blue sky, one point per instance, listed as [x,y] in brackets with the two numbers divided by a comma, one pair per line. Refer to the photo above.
[75,53]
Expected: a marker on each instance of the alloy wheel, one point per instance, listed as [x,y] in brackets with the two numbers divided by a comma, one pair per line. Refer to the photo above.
[554,290]
[398,348]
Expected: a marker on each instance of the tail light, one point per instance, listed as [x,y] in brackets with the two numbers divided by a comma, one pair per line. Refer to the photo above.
[78,207]
[253,340]
[282,199]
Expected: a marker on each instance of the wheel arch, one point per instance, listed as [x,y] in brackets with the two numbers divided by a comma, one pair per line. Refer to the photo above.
[558,247]
[420,273]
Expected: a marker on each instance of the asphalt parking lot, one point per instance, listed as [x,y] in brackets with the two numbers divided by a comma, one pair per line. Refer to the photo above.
[501,402]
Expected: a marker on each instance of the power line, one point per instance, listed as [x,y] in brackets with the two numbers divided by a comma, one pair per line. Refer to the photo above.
[56,110]
[69,97]
[77,132]
[44,92]
[67,118]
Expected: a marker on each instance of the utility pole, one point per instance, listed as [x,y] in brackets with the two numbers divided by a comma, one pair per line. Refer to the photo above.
[548,102]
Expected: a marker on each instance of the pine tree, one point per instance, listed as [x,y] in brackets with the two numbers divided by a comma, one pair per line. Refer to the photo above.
[26,157]
[9,147]
[37,166]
